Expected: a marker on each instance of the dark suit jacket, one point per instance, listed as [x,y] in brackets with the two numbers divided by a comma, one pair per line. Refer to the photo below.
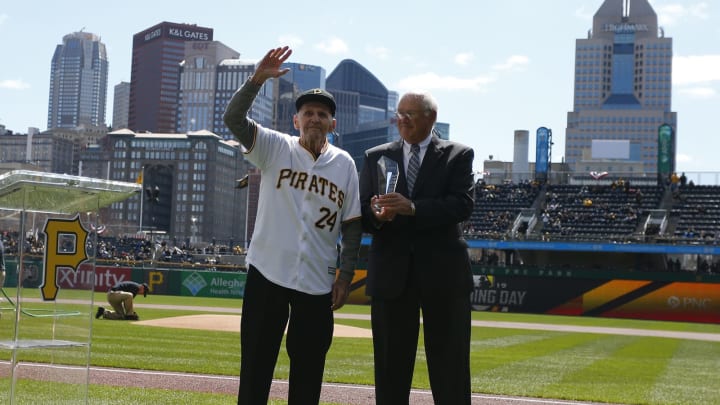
[431,242]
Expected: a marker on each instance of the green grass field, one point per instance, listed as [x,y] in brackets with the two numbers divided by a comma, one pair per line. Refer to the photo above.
[523,362]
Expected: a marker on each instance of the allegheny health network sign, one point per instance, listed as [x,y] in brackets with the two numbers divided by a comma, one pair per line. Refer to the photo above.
[213,284]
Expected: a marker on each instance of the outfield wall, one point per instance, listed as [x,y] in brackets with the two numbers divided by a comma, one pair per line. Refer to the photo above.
[192,282]
[613,298]
[652,296]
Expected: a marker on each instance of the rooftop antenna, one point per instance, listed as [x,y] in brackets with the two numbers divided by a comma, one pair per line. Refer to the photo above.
[81,29]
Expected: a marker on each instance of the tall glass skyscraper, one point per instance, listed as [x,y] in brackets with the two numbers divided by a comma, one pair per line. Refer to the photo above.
[155,74]
[623,84]
[362,109]
[305,76]
[231,74]
[361,98]
[78,82]
[198,87]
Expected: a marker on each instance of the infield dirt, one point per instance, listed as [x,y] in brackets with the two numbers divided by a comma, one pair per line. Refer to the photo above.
[231,323]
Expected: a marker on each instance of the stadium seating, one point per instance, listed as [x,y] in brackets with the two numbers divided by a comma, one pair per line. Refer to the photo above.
[497,206]
[576,211]
[696,210]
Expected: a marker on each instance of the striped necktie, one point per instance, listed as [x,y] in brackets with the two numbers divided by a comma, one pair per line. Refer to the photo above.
[413,166]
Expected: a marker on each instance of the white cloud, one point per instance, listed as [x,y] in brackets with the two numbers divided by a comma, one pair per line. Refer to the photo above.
[671,14]
[683,158]
[700,10]
[433,81]
[291,40]
[696,69]
[699,92]
[333,46]
[464,58]
[14,84]
[584,13]
[379,52]
[513,62]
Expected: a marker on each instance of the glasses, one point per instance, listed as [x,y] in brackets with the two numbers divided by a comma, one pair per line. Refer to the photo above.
[409,114]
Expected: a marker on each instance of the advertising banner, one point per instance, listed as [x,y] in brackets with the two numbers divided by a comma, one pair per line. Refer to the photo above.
[665,151]
[213,284]
[104,277]
[632,299]
[542,144]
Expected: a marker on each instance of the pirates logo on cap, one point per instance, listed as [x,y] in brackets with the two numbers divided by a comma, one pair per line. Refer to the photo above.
[318,96]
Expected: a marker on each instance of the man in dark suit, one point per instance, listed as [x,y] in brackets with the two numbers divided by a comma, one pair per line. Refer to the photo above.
[418,260]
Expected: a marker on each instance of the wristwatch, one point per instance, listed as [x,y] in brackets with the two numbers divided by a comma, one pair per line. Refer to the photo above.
[412,207]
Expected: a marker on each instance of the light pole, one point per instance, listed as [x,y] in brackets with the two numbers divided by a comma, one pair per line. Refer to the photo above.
[153,196]
[141,181]
[193,229]
[241,183]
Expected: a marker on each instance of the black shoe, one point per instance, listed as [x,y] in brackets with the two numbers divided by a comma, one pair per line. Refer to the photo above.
[133,317]
[99,312]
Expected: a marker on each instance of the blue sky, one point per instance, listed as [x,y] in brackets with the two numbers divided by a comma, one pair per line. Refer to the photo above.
[494,67]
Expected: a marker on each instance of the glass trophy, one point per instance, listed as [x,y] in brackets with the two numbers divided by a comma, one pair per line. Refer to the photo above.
[387,173]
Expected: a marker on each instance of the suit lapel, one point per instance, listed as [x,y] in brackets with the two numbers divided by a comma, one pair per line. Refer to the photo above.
[395,152]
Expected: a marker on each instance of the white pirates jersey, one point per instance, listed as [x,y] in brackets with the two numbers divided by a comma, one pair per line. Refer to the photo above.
[301,207]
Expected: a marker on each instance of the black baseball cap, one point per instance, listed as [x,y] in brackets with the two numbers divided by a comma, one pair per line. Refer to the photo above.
[316,95]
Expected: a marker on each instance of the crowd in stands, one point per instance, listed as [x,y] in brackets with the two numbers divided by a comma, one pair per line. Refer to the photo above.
[497,206]
[603,210]
[696,210]
[132,251]
[13,243]
[705,267]
[124,249]
[612,210]
[129,249]
[700,265]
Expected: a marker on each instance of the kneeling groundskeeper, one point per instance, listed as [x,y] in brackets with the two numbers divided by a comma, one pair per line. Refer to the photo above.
[121,297]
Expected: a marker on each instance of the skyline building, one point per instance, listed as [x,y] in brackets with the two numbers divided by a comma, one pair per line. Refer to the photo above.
[121,104]
[45,151]
[442,130]
[155,74]
[284,95]
[361,98]
[195,176]
[622,92]
[198,83]
[362,109]
[304,76]
[231,74]
[78,82]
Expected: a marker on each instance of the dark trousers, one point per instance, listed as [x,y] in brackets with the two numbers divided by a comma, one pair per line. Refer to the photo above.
[446,327]
[265,313]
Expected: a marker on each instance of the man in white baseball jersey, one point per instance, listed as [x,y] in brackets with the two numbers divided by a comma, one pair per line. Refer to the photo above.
[309,197]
